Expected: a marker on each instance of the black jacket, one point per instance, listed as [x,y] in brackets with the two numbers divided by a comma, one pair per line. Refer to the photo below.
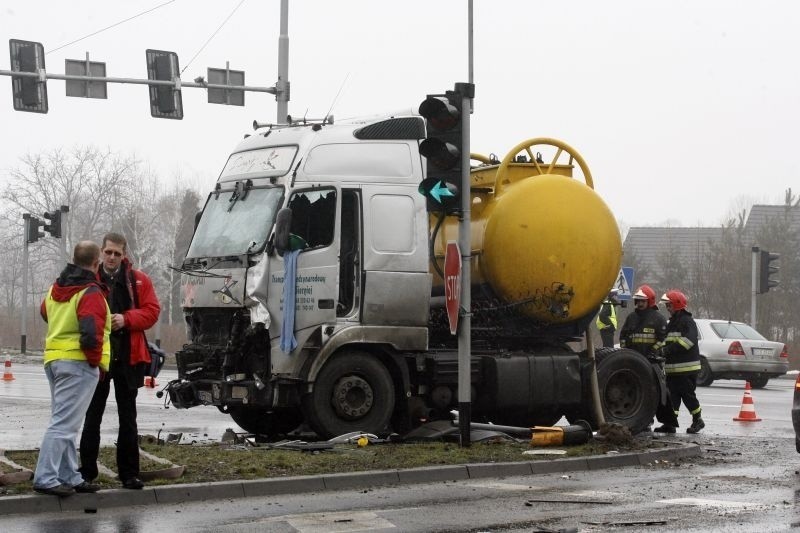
[643,329]
[679,347]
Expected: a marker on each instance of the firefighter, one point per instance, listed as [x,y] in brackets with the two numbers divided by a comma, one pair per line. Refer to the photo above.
[645,326]
[682,359]
[641,331]
[607,319]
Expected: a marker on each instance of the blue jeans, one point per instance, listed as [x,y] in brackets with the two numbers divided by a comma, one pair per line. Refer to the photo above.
[72,385]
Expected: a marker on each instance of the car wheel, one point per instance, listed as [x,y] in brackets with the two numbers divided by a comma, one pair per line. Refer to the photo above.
[758,382]
[704,377]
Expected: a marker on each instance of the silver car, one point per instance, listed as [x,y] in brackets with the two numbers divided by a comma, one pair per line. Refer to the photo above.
[734,350]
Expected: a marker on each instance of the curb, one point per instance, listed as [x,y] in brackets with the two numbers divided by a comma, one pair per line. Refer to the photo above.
[189,492]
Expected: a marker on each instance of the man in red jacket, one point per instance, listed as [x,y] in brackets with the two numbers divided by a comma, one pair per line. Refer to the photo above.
[134,309]
[75,352]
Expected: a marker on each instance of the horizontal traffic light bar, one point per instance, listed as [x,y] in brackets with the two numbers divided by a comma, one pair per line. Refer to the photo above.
[178,84]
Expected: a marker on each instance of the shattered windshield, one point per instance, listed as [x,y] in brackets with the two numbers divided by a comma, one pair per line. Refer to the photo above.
[235,222]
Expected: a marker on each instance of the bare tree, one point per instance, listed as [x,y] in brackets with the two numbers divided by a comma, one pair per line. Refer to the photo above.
[725,291]
[96,184]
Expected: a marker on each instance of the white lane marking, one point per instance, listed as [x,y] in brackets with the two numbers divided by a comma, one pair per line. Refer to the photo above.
[334,522]
[503,486]
[705,502]
[607,494]
[604,494]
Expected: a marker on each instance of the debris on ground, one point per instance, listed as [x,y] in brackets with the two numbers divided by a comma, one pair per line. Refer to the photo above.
[614,433]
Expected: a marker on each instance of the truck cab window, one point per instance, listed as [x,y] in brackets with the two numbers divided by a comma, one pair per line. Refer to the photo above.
[313,216]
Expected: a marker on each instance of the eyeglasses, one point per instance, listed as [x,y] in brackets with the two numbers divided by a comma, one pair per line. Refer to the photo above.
[113,252]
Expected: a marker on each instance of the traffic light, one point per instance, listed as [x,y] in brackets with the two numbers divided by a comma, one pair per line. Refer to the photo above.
[766,270]
[442,150]
[54,227]
[32,225]
[165,100]
[29,93]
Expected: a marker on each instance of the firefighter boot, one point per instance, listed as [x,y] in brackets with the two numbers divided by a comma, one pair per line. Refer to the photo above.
[665,428]
[697,424]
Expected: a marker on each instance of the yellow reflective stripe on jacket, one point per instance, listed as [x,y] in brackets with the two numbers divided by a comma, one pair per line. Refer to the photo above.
[674,336]
[63,332]
[679,368]
[643,338]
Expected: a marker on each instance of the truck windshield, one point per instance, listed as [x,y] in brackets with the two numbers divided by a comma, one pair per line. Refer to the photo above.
[232,225]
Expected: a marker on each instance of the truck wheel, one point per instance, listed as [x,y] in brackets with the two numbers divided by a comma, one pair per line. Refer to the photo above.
[758,382]
[353,392]
[263,422]
[704,378]
[628,390]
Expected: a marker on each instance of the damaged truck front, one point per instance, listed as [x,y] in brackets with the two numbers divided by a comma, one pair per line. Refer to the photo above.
[311,293]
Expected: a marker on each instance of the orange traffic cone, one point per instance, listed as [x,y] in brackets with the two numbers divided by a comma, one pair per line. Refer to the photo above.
[748,411]
[7,375]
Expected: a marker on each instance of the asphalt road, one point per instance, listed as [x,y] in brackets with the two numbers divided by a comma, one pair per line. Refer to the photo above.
[25,410]
[746,480]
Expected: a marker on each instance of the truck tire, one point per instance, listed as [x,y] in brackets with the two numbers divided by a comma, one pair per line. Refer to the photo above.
[704,378]
[628,390]
[260,421]
[353,392]
[758,382]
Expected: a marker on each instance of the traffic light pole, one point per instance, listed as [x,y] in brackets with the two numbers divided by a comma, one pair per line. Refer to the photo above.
[465,320]
[465,244]
[24,325]
[754,289]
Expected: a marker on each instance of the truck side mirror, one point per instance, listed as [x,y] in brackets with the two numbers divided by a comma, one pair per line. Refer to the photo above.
[283,226]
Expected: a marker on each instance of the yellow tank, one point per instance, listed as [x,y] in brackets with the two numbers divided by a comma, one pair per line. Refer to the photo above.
[540,238]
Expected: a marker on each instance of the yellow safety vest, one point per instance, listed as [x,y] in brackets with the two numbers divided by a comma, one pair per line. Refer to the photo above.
[612,317]
[63,333]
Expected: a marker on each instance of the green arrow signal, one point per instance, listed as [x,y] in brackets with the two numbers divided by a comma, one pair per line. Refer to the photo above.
[439,190]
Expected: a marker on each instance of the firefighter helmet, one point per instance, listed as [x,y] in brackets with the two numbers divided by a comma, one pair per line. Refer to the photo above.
[644,292]
[676,298]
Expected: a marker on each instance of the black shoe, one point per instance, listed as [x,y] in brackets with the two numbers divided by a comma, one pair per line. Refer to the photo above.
[664,428]
[133,483]
[61,491]
[86,487]
[697,425]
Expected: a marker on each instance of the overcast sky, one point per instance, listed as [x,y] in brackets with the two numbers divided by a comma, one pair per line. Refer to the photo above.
[684,111]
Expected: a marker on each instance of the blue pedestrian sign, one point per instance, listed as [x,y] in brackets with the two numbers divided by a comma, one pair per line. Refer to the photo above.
[624,283]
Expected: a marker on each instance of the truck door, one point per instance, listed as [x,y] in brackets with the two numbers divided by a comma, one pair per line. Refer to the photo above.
[315,232]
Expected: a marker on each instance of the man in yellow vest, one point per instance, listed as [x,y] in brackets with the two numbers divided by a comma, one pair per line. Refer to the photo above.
[607,319]
[76,351]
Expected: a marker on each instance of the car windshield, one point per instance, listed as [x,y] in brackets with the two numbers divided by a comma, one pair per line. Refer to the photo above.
[235,222]
[730,330]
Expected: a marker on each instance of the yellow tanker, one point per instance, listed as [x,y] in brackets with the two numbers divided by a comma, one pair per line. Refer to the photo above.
[541,239]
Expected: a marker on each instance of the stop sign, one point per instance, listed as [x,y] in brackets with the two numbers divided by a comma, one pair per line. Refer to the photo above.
[452,283]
